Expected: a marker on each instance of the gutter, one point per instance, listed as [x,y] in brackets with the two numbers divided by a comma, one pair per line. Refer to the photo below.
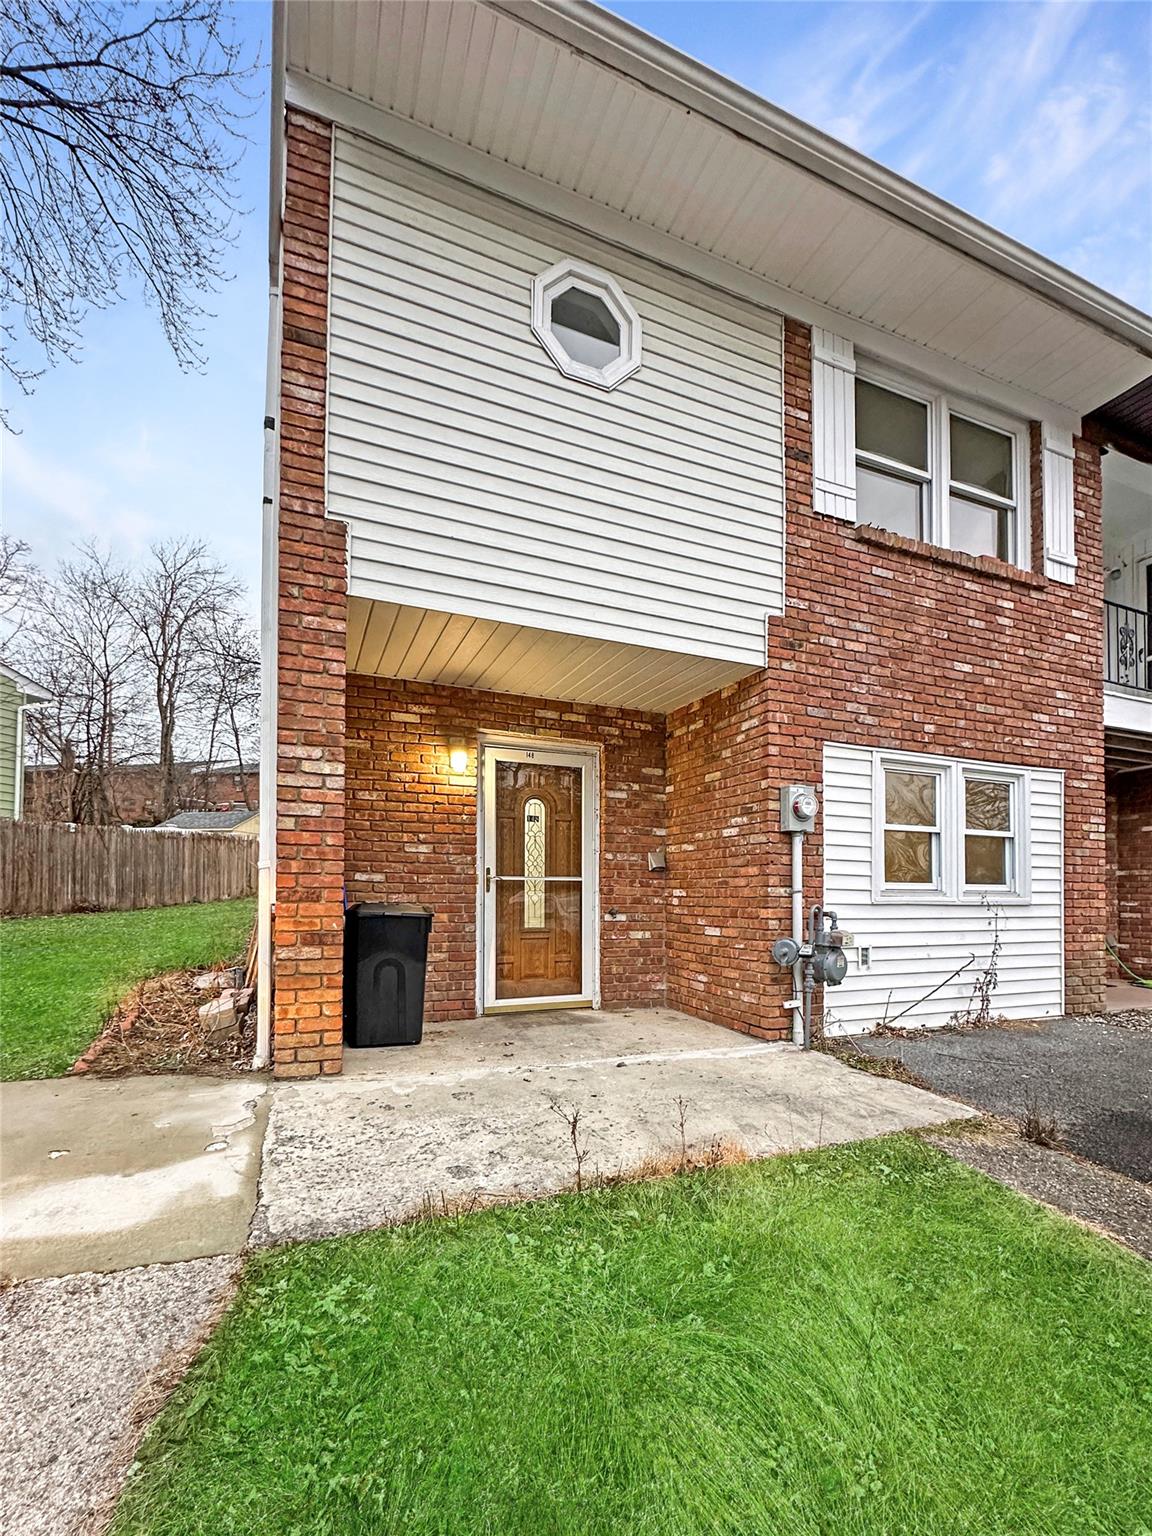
[270,563]
[617,44]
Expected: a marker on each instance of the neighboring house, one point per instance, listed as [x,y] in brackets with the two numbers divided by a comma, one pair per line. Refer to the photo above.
[640,451]
[240,821]
[1123,428]
[134,789]
[17,694]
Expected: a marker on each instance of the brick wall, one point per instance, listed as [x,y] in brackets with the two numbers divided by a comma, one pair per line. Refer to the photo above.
[1130,808]
[308,929]
[909,648]
[411,830]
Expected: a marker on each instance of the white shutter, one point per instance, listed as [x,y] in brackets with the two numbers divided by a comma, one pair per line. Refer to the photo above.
[834,425]
[1057,461]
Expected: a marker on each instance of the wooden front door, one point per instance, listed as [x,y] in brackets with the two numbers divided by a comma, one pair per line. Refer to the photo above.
[536,837]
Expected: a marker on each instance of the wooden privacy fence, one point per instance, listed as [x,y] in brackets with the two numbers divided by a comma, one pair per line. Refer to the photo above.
[48,867]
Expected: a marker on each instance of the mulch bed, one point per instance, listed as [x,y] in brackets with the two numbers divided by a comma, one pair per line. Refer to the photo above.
[157,1028]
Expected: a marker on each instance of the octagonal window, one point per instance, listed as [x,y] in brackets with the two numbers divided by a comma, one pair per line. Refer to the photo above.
[585,324]
[585,327]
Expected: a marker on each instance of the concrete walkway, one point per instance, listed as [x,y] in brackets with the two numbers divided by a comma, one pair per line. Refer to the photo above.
[85,1362]
[130,1171]
[482,1110]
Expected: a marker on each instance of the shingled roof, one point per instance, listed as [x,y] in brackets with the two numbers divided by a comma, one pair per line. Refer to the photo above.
[208,821]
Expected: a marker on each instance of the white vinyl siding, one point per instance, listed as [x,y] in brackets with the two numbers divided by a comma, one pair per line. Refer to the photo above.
[916,945]
[476,479]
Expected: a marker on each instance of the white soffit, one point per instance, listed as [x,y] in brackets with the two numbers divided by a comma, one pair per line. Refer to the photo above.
[596,109]
[422,646]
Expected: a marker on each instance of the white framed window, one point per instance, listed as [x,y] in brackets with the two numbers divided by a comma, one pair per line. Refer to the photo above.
[912,827]
[586,324]
[990,822]
[949,830]
[940,469]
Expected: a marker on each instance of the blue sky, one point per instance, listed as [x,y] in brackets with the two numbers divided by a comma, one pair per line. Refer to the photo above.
[1036,117]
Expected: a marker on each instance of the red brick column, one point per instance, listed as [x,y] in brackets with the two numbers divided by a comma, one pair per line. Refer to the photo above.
[1078,695]
[308,929]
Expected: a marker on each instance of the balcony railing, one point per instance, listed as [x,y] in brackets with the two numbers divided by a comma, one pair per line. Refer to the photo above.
[1127,657]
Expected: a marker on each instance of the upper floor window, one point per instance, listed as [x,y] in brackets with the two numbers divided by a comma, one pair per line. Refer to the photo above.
[939,470]
[586,324]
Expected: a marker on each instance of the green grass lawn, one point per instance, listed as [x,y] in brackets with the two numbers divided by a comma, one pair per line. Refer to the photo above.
[62,976]
[863,1340]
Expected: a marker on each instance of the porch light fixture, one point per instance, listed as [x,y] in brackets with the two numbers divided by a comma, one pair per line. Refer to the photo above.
[457,754]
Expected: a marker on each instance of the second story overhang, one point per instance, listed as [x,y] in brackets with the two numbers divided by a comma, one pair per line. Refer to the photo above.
[568,110]
[1123,429]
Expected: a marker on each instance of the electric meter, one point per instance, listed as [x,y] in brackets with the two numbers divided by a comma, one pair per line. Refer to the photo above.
[798,807]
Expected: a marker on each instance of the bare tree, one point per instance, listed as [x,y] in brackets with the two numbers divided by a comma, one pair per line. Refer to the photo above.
[173,608]
[16,578]
[80,647]
[119,142]
[231,697]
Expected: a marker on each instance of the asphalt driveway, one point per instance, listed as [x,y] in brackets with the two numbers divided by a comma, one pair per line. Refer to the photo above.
[1092,1074]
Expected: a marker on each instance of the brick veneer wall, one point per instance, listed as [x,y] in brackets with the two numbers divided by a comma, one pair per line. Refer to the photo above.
[411,830]
[1130,805]
[308,928]
[904,647]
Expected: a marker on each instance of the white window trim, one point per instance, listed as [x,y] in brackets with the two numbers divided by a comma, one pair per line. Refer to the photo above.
[1018,887]
[941,406]
[936,831]
[575,274]
[950,885]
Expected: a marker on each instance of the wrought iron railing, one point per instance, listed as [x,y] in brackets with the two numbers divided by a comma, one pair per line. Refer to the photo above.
[1127,656]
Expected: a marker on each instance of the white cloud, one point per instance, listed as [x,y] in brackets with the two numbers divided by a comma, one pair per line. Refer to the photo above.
[1034,116]
[54,507]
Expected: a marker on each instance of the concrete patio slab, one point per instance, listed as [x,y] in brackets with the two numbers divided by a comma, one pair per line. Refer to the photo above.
[481,1109]
[1126,996]
[138,1170]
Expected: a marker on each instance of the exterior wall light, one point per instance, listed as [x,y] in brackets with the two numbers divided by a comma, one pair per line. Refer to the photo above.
[457,754]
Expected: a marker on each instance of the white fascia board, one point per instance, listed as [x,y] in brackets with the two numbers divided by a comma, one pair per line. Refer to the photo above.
[1127,710]
[32,692]
[631,51]
[536,195]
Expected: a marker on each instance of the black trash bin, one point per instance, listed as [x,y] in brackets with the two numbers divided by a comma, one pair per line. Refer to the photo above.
[385,957]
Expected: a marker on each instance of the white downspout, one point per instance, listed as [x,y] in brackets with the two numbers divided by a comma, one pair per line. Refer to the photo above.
[270,565]
[798,935]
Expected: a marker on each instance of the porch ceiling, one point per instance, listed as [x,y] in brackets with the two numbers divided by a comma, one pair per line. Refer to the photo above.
[574,101]
[423,646]
[1128,751]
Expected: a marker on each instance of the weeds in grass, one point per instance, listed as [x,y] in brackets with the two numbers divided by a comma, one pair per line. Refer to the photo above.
[571,1118]
[1040,1126]
[892,1067]
[720,1152]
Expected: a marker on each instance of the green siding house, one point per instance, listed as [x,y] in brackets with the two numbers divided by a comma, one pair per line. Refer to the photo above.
[17,692]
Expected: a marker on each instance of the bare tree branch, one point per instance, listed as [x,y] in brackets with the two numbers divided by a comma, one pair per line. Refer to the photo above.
[119,143]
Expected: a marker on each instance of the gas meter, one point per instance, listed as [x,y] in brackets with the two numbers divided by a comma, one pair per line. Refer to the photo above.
[829,962]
